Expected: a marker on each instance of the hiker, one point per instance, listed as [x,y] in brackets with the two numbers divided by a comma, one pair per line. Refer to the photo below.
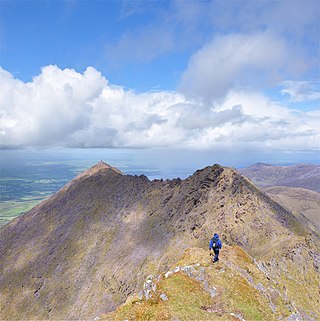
[215,245]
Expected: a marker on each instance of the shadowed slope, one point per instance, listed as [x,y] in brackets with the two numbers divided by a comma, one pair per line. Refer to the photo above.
[83,251]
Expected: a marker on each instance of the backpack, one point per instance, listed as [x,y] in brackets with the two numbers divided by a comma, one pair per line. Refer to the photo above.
[215,243]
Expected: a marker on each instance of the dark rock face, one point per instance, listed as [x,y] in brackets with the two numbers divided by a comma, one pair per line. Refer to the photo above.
[83,251]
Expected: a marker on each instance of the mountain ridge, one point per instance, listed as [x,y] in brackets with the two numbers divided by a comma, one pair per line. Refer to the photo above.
[83,251]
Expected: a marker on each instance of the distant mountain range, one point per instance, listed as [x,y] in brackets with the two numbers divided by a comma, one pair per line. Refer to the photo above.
[87,249]
[301,175]
[301,201]
[295,187]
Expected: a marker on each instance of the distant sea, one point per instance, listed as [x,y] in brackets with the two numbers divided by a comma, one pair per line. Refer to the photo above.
[29,176]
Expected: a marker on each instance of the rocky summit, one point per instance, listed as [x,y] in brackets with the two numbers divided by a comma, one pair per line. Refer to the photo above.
[86,251]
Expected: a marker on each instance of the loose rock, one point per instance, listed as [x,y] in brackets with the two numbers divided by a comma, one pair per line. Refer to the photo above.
[213,292]
[168,274]
[163,297]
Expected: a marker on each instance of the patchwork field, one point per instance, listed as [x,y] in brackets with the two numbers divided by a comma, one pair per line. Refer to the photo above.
[12,209]
[28,177]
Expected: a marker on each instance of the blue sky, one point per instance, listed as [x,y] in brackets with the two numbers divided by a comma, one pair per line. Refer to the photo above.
[162,35]
[79,34]
[220,76]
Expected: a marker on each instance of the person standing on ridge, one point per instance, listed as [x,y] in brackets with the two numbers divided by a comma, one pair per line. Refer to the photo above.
[215,245]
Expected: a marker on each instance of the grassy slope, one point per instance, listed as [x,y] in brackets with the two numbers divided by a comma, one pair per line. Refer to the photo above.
[241,290]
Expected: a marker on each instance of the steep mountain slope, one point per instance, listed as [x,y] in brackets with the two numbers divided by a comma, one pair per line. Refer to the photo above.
[301,201]
[82,252]
[302,175]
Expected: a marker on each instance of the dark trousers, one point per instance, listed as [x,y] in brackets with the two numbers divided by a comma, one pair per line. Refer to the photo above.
[216,255]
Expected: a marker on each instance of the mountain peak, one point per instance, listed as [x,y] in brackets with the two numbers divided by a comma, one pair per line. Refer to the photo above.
[104,166]
[260,164]
[100,167]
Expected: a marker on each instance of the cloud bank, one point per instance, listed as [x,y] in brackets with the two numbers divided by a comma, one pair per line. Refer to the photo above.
[71,109]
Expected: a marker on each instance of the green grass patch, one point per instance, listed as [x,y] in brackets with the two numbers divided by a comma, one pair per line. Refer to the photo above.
[12,209]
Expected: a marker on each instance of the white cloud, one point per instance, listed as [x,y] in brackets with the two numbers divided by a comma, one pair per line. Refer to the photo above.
[301,91]
[181,26]
[48,109]
[236,61]
[67,108]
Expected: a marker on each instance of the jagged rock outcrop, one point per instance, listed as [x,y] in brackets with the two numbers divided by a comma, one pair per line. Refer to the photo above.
[83,251]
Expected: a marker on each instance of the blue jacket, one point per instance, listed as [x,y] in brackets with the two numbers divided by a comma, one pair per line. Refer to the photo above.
[216,240]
